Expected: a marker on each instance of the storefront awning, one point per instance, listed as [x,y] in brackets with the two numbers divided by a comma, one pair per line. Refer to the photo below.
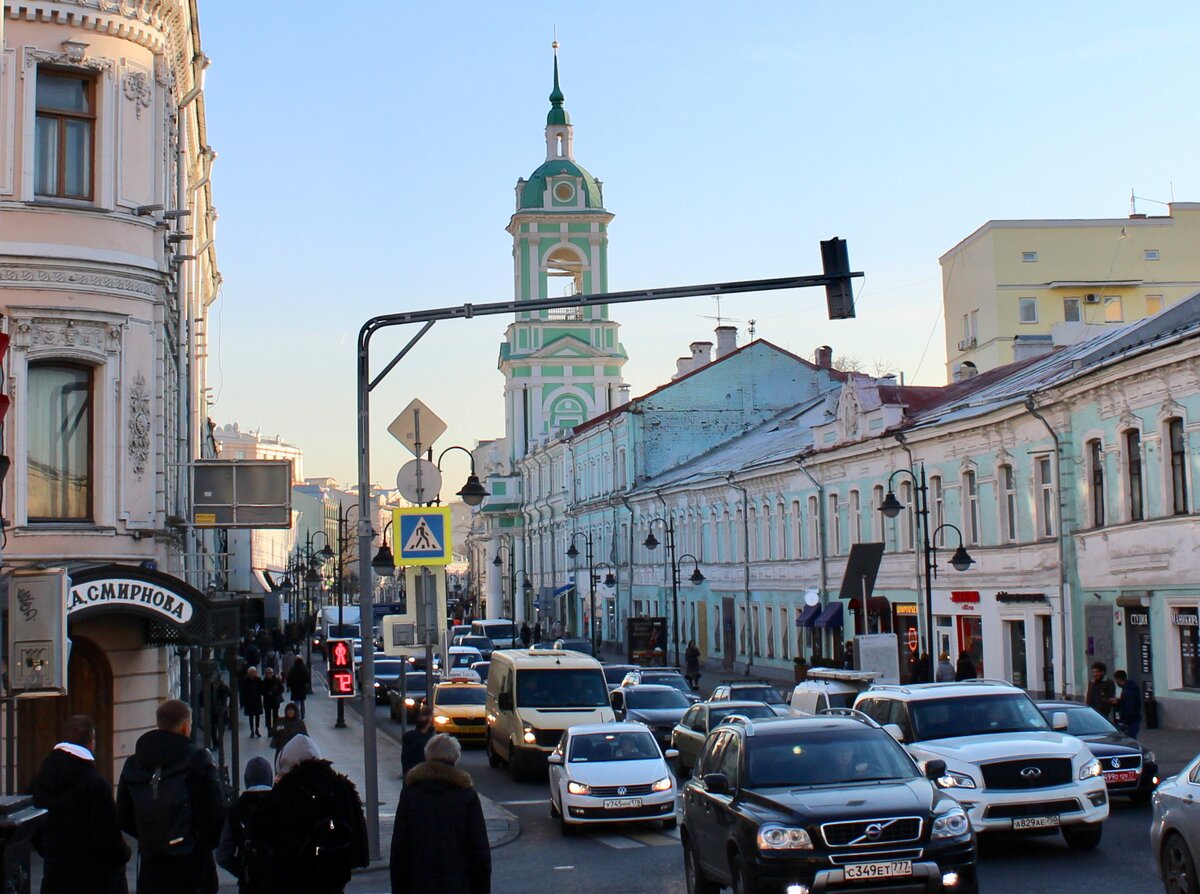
[564,589]
[262,580]
[831,616]
[876,605]
[808,617]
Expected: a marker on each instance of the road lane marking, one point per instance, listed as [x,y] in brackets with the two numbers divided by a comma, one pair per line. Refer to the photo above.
[620,842]
[523,803]
[653,838]
[564,867]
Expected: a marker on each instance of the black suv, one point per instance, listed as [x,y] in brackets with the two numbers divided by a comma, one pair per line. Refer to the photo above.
[824,803]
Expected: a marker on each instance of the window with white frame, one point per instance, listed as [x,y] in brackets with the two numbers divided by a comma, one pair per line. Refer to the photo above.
[754,534]
[64,134]
[1027,310]
[937,499]
[716,630]
[737,546]
[1135,486]
[877,517]
[970,508]
[798,527]
[1071,310]
[785,633]
[835,525]
[770,631]
[756,629]
[1178,466]
[743,629]
[60,433]
[1114,309]
[1095,452]
[1044,469]
[908,532]
[1150,254]
[814,528]
[855,511]
[1029,257]
[1008,503]
[781,531]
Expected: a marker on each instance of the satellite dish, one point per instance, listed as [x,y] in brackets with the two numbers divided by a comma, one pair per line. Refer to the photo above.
[431,481]
[811,597]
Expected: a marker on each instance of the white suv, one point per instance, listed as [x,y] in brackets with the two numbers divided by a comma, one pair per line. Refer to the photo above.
[1004,763]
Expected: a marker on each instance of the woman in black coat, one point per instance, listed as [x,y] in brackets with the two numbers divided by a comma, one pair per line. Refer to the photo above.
[272,696]
[252,700]
[440,842]
[297,683]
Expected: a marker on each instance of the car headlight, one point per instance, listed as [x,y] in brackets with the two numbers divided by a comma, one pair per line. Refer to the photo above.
[950,779]
[376,684]
[783,838]
[951,824]
[578,788]
[1090,770]
[530,737]
[663,785]
[410,701]
[441,719]
[1148,757]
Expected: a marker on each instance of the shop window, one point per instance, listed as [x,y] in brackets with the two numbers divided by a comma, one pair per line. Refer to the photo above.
[1179,487]
[1096,478]
[1187,625]
[716,643]
[1046,499]
[1134,486]
[64,134]
[1008,503]
[970,508]
[60,442]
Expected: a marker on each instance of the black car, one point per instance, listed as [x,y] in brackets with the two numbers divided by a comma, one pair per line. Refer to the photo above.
[661,676]
[1129,769]
[387,675]
[823,803]
[408,695]
[484,644]
[659,707]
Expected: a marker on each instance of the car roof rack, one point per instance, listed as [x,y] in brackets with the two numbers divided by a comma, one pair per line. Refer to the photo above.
[753,680]
[850,713]
[836,673]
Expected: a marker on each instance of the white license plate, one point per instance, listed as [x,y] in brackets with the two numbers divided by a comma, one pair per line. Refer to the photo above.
[1036,822]
[622,803]
[890,869]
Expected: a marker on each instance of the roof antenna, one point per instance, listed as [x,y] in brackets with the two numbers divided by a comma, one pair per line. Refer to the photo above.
[1132,203]
[751,323]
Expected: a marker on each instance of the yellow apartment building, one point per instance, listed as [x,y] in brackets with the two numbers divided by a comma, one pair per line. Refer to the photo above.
[1015,287]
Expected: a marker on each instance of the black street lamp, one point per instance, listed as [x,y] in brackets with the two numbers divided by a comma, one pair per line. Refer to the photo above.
[960,561]
[512,579]
[651,543]
[572,553]
[472,493]
[384,563]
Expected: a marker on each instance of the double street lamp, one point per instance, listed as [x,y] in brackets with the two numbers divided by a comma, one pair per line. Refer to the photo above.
[573,553]
[651,543]
[498,562]
[961,560]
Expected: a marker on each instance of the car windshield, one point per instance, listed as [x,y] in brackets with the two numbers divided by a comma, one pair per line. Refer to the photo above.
[750,712]
[478,642]
[675,681]
[416,682]
[481,668]
[501,631]
[825,757]
[460,695]
[389,668]
[1081,721]
[583,688]
[662,698]
[841,699]
[615,673]
[463,659]
[768,694]
[342,631]
[974,715]
[594,748]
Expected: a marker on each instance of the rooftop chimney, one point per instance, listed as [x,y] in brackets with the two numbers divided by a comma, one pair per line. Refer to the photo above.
[965,370]
[701,353]
[683,366]
[825,357]
[726,340]
[622,395]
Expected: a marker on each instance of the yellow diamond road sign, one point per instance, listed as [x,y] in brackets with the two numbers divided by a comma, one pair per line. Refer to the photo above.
[423,535]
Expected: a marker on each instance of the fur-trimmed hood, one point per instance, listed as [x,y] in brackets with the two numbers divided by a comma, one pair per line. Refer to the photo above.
[439,773]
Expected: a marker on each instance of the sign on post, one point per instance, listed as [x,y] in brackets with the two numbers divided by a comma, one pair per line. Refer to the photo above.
[37,632]
[424,535]
[417,427]
[341,668]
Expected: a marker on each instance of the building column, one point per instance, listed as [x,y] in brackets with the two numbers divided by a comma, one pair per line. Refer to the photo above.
[519,578]
[495,578]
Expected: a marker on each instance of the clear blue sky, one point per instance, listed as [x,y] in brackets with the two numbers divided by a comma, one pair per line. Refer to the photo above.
[368,153]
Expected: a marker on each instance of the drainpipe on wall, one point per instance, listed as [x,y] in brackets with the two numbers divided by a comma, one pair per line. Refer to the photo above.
[614,552]
[1067,639]
[745,568]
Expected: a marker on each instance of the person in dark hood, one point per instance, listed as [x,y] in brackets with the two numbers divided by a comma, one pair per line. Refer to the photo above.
[238,853]
[965,669]
[178,827]
[440,841]
[413,742]
[252,700]
[288,727]
[80,840]
[313,823]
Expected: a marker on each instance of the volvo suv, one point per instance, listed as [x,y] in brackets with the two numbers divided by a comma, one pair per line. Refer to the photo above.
[826,803]
[1010,768]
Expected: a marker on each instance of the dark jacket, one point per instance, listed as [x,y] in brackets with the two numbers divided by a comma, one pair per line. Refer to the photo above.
[176,875]
[440,843]
[412,748]
[691,660]
[80,839]
[965,670]
[233,836]
[251,692]
[272,691]
[1129,708]
[283,731]
[297,681]
[1100,694]
[288,816]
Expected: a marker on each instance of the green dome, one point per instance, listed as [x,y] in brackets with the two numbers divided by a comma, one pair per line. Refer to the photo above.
[532,194]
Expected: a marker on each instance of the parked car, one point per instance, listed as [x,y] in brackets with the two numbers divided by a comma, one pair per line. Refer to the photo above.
[615,673]
[663,676]
[459,709]
[1129,769]
[387,673]
[828,687]
[1004,762]
[658,707]
[827,803]
[574,644]
[751,691]
[689,733]
[608,772]
[408,695]
[1175,829]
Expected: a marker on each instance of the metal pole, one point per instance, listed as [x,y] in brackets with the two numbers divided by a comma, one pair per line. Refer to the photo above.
[592,598]
[341,702]
[923,513]
[674,588]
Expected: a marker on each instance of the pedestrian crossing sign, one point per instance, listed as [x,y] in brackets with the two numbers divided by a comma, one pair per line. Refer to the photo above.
[423,535]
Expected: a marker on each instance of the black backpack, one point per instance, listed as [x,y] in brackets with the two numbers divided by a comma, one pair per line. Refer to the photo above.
[326,854]
[162,809]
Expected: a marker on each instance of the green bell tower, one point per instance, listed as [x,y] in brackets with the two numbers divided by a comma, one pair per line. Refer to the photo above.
[563,366]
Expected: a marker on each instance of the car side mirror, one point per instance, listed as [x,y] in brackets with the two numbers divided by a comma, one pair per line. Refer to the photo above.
[893,730]
[717,783]
[935,769]
[505,701]
[554,758]
[1059,721]
[671,753]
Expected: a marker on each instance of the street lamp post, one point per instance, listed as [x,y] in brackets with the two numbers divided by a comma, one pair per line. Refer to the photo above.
[497,562]
[960,561]
[610,580]
[651,543]
[572,553]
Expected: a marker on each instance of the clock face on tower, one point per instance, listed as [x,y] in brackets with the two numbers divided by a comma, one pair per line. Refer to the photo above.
[563,191]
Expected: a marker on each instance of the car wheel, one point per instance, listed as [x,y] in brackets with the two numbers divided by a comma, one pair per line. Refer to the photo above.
[516,765]
[1178,866]
[564,827]
[1083,837]
[697,882]
[554,811]
[669,824]
[494,760]
[740,872]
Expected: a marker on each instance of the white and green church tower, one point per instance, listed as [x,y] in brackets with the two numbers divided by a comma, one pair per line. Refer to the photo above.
[561,367]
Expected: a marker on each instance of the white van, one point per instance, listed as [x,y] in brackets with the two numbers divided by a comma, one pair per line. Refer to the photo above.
[533,696]
[504,633]
[829,688]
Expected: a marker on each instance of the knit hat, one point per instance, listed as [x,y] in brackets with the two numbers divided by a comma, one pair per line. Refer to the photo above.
[444,749]
[301,748]
[259,774]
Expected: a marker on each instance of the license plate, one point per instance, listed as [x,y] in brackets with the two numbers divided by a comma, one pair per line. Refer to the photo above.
[890,869]
[1121,776]
[622,803]
[1036,822]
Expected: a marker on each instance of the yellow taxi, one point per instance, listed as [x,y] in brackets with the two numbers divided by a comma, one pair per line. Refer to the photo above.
[459,709]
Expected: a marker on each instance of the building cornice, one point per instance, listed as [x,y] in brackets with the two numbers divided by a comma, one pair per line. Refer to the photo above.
[79,276]
[143,22]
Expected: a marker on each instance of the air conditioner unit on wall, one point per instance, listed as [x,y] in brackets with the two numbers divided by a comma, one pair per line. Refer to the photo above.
[1091,298]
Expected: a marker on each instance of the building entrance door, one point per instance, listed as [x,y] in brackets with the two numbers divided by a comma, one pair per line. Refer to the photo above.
[1047,639]
[728,647]
[1015,654]
[1098,629]
[702,629]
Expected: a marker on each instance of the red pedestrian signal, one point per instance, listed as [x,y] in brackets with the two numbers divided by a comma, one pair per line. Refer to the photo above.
[341,668]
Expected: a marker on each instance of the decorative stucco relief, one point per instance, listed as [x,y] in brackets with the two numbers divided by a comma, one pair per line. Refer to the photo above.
[138,90]
[139,425]
[34,56]
[76,279]
[99,338]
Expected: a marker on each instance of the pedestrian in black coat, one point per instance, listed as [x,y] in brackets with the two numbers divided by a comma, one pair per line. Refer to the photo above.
[252,700]
[965,669]
[526,634]
[236,852]
[168,747]
[272,692]
[309,790]
[413,742]
[80,840]
[297,683]
[287,728]
[440,841]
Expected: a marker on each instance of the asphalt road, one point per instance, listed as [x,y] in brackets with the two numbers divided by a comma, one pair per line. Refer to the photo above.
[627,859]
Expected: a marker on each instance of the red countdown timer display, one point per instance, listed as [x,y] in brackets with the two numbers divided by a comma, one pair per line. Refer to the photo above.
[341,668]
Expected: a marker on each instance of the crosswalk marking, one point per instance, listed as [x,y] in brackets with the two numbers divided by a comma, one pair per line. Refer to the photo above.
[639,839]
[620,842]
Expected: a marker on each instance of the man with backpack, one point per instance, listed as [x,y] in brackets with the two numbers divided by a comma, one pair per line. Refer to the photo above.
[241,852]
[169,798]
[312,823]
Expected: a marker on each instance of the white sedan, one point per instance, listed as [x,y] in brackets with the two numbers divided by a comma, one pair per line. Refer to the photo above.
[611,772]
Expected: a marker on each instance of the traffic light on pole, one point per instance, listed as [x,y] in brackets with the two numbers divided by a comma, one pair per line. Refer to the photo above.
[341,668]
[839,292]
